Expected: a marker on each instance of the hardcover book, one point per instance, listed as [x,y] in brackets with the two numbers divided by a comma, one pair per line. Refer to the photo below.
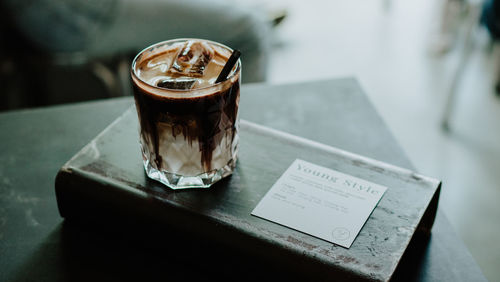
[108,176]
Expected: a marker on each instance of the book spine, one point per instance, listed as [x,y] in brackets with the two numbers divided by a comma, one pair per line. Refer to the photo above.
[83,196]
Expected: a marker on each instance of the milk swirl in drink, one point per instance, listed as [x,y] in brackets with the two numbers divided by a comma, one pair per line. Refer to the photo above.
[188,123]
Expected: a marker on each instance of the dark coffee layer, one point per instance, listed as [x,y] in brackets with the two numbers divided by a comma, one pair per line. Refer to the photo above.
[202,118]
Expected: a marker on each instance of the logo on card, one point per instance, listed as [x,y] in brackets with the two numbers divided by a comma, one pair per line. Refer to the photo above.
[341,233]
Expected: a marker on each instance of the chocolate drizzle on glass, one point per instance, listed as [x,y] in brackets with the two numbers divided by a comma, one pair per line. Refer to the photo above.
[205,119]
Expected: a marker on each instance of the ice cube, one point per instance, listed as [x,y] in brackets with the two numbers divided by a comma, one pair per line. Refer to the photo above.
[177,83]
[164,68]
[192,59]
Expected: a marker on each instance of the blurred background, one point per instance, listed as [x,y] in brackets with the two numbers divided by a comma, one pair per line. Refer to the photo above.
[409,63]
[421,62]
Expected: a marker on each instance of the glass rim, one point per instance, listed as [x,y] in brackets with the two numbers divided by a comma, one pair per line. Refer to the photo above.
[152,46]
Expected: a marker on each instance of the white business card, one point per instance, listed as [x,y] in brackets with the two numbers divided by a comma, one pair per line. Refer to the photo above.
[321,202]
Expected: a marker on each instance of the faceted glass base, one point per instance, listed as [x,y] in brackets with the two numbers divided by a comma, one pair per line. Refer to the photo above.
[176,181]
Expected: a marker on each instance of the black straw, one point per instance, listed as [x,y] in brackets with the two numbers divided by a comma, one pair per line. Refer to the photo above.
[228,66]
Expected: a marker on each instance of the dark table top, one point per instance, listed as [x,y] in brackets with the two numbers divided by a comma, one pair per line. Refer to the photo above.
[35,243]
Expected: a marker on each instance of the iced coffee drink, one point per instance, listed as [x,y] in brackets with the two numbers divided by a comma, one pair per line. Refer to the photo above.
[188,115]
